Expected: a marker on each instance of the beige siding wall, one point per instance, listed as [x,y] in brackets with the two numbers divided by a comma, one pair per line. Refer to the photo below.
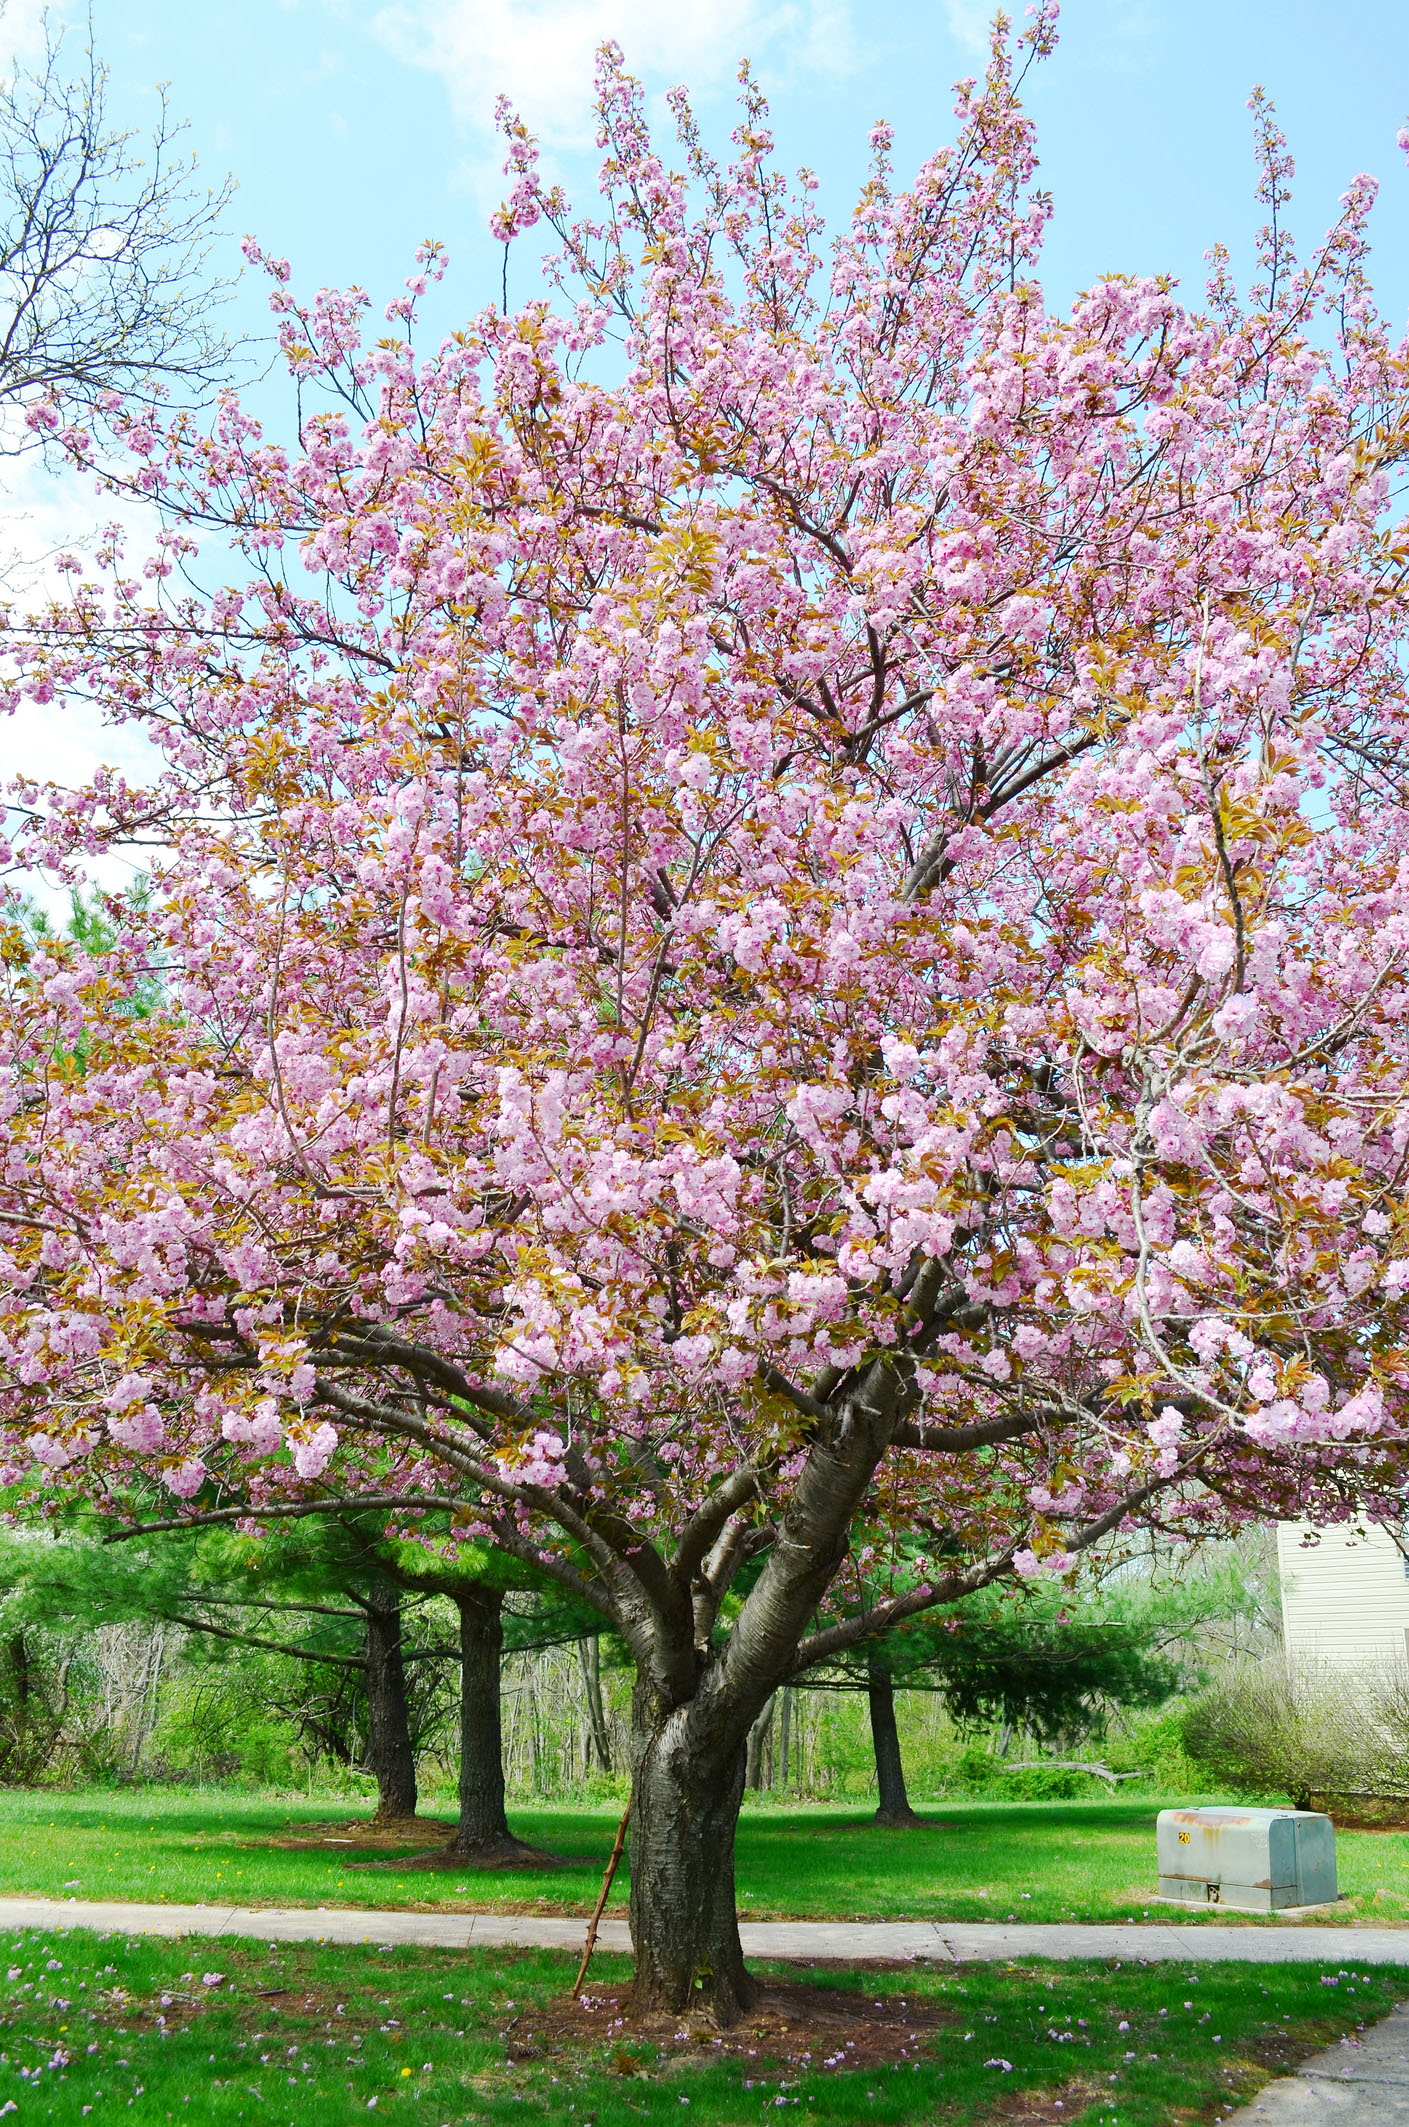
[1344,1597]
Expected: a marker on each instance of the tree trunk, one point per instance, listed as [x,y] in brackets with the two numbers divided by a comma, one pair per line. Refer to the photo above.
[589,1654]
[59,1711]
[19,1670]
[785,1737]
[147,1700]
[388,1727]
[535,1730]
[894,1803]
[692,1711]
[483,1825]
[758,1767]
[684,1926]
[482,1836]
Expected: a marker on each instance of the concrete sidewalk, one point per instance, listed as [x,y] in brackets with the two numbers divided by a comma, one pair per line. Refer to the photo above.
[1362,2082]
[798,1941]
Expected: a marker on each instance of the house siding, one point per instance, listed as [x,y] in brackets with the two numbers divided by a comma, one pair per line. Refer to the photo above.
[1345,1598]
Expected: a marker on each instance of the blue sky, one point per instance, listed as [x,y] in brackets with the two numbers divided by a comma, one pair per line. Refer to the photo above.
[357,127]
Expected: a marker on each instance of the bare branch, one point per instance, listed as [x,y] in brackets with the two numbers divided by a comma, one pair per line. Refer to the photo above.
[103,250]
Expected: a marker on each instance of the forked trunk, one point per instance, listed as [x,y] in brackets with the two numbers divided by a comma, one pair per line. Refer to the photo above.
[894,1802]
[684,1924]
[688,1746]
[389,1749]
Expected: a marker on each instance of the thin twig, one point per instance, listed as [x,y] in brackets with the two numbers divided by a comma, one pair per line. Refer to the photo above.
[591,1942]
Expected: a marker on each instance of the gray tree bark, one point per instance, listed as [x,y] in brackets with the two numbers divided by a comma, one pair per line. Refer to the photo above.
[483,1827]
[700,1689]
[685,1798]
[482,1834]
[694,1706]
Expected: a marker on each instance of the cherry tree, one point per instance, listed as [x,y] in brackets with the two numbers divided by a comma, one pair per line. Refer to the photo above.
[775,961]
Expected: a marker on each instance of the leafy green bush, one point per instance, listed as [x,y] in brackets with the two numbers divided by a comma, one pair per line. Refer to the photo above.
[1154,1744]
[976,1771]
[1049,1783]
[216,1725]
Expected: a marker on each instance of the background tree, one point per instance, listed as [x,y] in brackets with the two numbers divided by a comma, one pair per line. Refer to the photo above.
[1312,1731]
[1050,1667]
[788,959]
[34,1698]
[476,1581]
[104,287]
[315,1599]
[330,1592]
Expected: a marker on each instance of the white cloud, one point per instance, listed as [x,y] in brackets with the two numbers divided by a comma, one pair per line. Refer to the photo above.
[22,30]
[540,53]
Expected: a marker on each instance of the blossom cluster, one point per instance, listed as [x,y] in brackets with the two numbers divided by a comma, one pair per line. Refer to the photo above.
[900,792]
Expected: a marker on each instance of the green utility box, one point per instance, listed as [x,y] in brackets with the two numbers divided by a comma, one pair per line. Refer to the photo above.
[1255,1860]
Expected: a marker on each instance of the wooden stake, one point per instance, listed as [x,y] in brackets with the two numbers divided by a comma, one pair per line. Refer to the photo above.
[602,1901]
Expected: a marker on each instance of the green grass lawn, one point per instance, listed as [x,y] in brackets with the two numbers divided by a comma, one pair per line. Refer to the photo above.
[975,1861]
[106,2027]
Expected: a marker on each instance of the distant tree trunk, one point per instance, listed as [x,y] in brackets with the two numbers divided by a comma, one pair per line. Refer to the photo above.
[59,1711]
[535,1730]
[785,1736]
[483,1826]
[19,1670]
[389,1749]
[589,1655]
[482,1836]
[758,1758]
[894,1803]
[147,1695]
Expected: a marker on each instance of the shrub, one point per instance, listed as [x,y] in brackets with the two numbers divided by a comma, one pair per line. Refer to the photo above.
[1155,1745]
[1280,1728]
[216,1725]
[1048,1783]
[976,1771]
